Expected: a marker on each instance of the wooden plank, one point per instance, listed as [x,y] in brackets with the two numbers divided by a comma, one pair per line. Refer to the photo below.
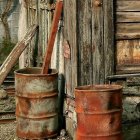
[16,52]
[70,35]
[97,44]
[128,5]
[51,41]
[128,55]
[128,17]
[128,31]
[84,20]
[127,69]
[70,29]
[109,45]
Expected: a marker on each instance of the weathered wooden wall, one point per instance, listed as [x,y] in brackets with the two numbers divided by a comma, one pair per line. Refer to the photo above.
[128,56]
[128,36]
[41,12]
[89,30]
[103,36]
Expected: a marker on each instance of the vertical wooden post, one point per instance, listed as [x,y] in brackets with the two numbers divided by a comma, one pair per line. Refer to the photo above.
[97,42]
[84,39]
[109,42]
[70,34]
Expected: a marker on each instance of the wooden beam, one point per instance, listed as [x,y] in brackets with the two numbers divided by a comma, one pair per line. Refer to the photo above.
[128,31]
[16,52]
[124,17]
[84,39]
[109,45]
[133,5]
[98,43]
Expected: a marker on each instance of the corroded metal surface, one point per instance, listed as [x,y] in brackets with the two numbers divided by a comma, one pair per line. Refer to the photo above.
[99,109]
[36,103]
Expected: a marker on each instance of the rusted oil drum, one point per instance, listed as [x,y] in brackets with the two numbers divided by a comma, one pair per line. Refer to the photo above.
[99,111]
[36,103]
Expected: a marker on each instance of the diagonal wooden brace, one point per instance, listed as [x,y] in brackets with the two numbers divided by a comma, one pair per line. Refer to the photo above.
[16,52]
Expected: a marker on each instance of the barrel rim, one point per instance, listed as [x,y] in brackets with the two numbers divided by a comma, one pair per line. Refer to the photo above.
[19,73]
[99,88]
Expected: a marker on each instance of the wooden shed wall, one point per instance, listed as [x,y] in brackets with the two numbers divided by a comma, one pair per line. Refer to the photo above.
[89,30]
[41,12]
[89,35]
[128,36]
[103,36]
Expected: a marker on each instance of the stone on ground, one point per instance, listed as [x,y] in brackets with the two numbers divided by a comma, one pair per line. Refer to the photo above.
[3,94]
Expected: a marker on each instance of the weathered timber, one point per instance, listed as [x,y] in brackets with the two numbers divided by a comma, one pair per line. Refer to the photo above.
[16,52]
[124,17]
[84,21]
[97,43]
[127,69]
[133,5]
[53,32]
[127,36]
[128,56]
[128,31]
[70,34]
[109,40]
[128,52]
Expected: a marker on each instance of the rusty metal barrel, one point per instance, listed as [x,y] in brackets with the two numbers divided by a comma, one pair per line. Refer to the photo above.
[99,111]
[36,103]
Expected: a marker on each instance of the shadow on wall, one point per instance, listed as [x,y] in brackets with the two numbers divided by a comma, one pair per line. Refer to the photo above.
[61,96]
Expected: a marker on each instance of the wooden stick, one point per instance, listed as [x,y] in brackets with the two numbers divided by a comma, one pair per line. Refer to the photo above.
[54,28]
[16,52]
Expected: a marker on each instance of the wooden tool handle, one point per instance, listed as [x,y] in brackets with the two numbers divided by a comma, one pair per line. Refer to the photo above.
[54,28]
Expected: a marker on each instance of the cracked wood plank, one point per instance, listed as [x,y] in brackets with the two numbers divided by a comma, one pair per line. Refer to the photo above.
[16,52]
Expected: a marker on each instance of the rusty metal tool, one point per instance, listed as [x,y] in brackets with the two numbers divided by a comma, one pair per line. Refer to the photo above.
[57,15]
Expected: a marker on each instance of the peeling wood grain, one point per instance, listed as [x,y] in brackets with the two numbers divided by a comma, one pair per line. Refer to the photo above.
[16,52]
[128,52]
